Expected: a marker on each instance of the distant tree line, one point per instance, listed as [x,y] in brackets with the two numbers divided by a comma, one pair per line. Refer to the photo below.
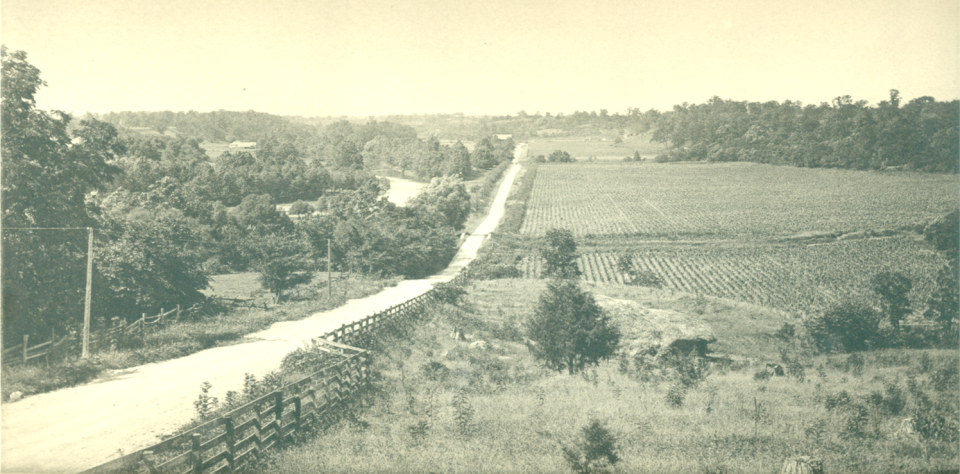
[921,135]
[166,216]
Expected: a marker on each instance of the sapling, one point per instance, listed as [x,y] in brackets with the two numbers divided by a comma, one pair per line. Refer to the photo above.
[463,413]
[205,405]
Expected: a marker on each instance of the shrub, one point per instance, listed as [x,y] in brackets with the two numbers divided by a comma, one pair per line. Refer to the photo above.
[483,270]
[786,332]
[936,421]
[595,451]
[635,276]
[676,394]
[419,431]
[308,357]
[449,294]
[855,364]
[560,156]
[797,371]
[855,424]
[435,371]
[892,403]
[689,370]
[946,377]
[838,400]
[762,374]
[847,326]
[463,413]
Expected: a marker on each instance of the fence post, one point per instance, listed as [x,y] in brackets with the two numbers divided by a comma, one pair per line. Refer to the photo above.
[26,338]
[278,410]
[228,425]
[143,324]
[195,454]
[161,316]
[178,313]
[296,414]
[312,393]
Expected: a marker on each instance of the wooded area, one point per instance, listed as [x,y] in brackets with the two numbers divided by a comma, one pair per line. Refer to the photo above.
[165,215]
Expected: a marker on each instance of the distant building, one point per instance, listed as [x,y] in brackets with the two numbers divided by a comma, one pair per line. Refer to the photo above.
[243,145]
[504,137]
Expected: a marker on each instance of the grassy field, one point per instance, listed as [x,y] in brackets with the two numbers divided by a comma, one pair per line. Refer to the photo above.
[603,148]
[649,199]
[442,406]
[214,150]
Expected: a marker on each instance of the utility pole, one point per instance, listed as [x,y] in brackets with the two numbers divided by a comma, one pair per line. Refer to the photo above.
[86,304]
[329,278]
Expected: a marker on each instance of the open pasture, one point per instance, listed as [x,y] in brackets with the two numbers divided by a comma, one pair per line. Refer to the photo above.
[797,278]
[442,405]
[597,146]
[730,199]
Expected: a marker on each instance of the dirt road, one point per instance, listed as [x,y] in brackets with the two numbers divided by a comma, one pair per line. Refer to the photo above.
[74,429]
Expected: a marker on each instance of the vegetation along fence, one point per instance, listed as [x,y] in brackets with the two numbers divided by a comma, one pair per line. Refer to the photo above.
[104,338]
[234,440]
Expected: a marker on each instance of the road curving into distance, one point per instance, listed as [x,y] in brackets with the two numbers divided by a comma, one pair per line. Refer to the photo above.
[77,428]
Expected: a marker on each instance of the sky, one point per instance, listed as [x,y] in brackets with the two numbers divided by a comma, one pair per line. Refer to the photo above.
[490,57]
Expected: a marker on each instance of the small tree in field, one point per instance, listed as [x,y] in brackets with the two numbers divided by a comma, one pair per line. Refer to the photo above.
[560,156]
[893,289]
[569,329]
[281,260]
[851,324]
[559,252]
[596,451]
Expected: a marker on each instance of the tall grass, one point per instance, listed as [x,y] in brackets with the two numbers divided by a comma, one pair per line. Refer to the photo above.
[521,416]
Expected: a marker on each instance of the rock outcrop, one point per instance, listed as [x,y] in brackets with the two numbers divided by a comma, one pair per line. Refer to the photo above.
[656,331]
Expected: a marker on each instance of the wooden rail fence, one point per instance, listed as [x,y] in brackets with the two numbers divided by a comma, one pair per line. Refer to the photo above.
[99,340]
[242,435]
[317,401]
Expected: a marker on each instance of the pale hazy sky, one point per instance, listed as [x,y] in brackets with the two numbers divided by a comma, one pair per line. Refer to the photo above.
[372,57]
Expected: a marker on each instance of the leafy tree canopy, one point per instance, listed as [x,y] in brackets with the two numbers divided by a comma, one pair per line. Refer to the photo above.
[569,329]
[559,252]
[446,197]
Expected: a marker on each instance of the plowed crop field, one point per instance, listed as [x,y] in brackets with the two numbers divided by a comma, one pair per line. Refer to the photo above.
[634,199]
[799,278]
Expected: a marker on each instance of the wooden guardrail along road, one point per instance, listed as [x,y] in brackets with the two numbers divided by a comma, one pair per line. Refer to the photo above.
[239,437]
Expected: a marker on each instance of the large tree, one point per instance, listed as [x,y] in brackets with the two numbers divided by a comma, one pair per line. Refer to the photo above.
[446,198]
[47,176]
[944,305]
[559,252]
[282,261]
[569,329]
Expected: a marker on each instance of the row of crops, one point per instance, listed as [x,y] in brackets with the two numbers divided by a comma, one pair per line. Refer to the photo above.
[797,278]
[730,199]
